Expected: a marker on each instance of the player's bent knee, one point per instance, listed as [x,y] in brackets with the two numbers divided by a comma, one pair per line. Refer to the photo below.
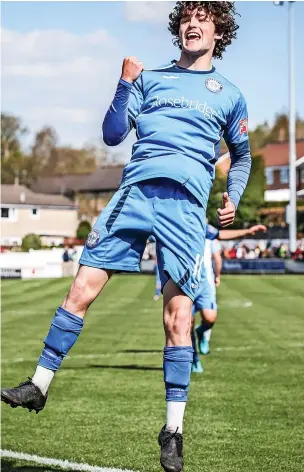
[209,315]
[79,295]
[85,288]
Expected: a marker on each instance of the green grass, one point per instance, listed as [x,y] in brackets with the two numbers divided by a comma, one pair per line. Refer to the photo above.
[106,404]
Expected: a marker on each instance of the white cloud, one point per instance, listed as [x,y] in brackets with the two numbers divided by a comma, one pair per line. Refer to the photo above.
[57,78]
[151,12]
[71,114]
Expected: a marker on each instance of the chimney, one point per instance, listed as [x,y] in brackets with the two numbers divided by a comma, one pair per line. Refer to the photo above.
[16,180]
[282,135]
[22,197]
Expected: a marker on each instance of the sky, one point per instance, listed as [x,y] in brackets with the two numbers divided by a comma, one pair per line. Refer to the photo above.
[61,61]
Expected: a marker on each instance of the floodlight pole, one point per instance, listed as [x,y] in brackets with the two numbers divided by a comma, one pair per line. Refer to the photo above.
[292,137]
[292,207]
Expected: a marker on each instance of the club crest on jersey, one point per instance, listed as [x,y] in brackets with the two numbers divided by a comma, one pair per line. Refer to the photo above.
[93,238]
[213,85]
[244,126]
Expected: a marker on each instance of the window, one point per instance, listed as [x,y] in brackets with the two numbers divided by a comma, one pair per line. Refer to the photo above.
[284,175]
[11,214]
[4,212]
[35,215]
[269,175]
[302,176]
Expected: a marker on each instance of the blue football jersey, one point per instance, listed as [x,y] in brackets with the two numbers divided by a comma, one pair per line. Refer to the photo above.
[180,117]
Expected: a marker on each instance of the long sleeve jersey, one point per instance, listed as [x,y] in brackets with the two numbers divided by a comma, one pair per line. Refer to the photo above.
[180,117]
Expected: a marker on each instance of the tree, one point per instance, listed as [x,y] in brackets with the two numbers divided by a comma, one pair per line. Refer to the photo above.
[259,137]
[215,198]
[280,129]
[251,201]
[43,152]
[253,197]
[13,161]
[67,160]
[279,132]
[31,241]
[83,230]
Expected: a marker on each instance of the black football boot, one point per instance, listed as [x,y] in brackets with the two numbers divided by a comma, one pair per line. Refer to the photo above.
[26,395]
[171,450]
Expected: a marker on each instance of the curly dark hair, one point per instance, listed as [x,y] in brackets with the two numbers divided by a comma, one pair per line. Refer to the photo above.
[222,14]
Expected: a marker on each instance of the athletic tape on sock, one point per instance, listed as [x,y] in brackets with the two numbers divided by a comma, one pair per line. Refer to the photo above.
[64,331]
[177,370]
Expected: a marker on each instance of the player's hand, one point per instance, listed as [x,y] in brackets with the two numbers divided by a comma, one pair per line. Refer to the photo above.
[226,214]
[217,280]
[254,229]
[131,69]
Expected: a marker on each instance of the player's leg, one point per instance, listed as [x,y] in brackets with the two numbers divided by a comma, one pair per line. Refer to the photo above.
[208,319]
[208,311]
[197,367]
[179,230]
[157,283]
[178,357]
[63,333]
[115,243]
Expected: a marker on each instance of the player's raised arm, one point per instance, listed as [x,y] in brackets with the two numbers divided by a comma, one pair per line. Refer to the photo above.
[236,137]
[125,107]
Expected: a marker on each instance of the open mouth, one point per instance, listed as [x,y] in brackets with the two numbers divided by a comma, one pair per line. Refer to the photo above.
[193,36]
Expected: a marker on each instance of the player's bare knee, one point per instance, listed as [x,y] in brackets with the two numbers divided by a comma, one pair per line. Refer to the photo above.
[81,294]
[209,316]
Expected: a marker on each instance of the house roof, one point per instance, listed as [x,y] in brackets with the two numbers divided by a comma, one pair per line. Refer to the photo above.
[62,184]
[275,155]
[104,179]
[21,195]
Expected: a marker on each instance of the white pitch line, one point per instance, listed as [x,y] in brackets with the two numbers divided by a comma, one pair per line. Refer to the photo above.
[63,464]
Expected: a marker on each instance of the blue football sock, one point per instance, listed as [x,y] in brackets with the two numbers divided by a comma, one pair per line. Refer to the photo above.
[64,331]
[205,325]
[177,371]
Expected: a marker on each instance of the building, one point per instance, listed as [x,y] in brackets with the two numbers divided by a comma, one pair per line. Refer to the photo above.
[276,161]
[53,217]
[91,192]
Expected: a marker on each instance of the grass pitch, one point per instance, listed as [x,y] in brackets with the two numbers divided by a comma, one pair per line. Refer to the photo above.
[106,404]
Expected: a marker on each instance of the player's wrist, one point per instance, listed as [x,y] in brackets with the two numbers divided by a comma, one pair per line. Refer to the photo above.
[127,78]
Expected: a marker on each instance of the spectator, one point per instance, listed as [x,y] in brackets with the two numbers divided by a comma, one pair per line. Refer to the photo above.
[67,263]
[240,252]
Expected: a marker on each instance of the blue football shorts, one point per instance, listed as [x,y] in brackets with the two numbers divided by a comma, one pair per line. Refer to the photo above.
[160,207]
[206,296]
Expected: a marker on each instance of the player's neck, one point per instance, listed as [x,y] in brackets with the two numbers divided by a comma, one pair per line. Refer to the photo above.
[187,61]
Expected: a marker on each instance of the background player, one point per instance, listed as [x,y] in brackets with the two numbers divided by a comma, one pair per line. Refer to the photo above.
[151,252]
[164,191]
[205,302]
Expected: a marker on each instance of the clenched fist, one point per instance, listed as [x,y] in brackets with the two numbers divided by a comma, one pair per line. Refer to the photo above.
[131,69]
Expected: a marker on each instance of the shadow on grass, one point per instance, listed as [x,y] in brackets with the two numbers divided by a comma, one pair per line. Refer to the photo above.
[8,465]
[142,351]
[123,367]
